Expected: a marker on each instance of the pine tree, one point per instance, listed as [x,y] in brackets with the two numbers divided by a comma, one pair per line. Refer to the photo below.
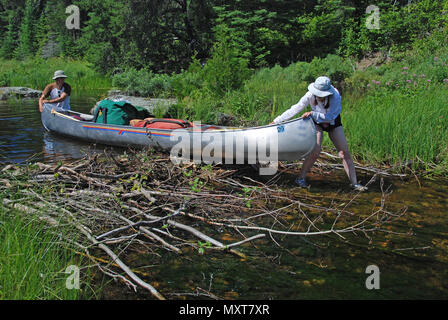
[10,40]
[27,43]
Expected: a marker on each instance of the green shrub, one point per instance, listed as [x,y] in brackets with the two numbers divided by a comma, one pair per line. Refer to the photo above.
[143,83]
[227,69]
[332,66]
[189,80]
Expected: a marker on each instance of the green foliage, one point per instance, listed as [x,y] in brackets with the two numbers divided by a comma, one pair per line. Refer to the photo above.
[27,45]
[163,36]
[143,83]
[189,80]
[37,73]
[333,66]
[227,68]
[322,31]
[102,38]
[400,25]
[196,185]
[202,246]
[33,261]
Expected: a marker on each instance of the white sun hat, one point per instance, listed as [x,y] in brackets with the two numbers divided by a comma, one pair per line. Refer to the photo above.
[321,87]
[59,74]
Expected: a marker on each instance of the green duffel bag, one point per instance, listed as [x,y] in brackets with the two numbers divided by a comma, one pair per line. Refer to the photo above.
[118,112]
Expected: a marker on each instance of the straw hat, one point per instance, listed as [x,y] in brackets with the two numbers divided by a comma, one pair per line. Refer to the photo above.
[321,87]
[59,74]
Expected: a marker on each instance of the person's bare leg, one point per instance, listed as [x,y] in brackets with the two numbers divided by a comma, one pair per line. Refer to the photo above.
[309,161]
[340,142]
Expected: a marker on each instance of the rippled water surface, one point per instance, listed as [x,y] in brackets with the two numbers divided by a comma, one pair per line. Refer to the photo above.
[23,139]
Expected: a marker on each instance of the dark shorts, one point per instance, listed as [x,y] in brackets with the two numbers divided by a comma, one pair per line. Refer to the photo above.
[329,127]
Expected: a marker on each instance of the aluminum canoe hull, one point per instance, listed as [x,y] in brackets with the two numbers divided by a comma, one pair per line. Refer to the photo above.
[291,140]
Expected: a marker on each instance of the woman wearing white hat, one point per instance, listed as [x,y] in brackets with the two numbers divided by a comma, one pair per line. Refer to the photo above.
[59,93]
[325,102]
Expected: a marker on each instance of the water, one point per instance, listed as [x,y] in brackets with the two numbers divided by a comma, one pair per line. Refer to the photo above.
[412,266]
[23,138]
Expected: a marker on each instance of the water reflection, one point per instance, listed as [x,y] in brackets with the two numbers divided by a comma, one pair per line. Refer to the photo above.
[58,148]
[24,140]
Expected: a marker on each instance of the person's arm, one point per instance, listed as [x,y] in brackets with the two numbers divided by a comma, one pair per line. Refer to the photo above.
[333,112]
[56,100]
[45,94]
[295,109]
[65,94]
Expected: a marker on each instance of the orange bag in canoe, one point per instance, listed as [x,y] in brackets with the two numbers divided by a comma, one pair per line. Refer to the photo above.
[164,123]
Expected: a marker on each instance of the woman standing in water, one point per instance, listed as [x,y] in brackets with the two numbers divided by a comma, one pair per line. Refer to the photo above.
[325,102]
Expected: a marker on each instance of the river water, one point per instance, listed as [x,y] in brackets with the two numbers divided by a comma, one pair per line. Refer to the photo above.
[413,266]
[24,140]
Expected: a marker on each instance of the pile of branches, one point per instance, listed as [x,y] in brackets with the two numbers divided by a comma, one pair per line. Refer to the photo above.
[142,200]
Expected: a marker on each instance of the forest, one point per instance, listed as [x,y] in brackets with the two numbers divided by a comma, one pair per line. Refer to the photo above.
[164,35]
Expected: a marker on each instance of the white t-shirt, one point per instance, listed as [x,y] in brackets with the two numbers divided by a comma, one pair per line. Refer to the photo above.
[56,93]
[320,114]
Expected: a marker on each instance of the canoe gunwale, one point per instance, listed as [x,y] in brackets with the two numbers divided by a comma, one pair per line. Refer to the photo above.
[295,138]
[222,128]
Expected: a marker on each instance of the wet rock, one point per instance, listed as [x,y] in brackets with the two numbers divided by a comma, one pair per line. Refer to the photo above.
[19,93]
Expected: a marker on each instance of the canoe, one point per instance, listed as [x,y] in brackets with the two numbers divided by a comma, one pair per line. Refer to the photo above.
[290,140]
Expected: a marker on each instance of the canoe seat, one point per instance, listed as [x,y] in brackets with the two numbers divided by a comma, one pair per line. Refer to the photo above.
[83,117]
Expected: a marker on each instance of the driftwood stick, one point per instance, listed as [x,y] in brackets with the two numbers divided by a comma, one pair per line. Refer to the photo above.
[142,229]
[30,210]
[133,225]
[149,233]
[123,266]
[227,246]
[106,249]
[114,275]
[203,236]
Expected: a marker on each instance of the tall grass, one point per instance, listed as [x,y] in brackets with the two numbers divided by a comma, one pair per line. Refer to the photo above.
[33,260]
[37,73]
[399,128]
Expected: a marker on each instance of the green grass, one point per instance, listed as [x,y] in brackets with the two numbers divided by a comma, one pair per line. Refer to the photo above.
[392,127]
[33,260]
[37,73]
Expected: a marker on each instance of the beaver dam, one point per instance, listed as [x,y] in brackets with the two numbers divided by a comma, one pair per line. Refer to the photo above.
[167,231]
